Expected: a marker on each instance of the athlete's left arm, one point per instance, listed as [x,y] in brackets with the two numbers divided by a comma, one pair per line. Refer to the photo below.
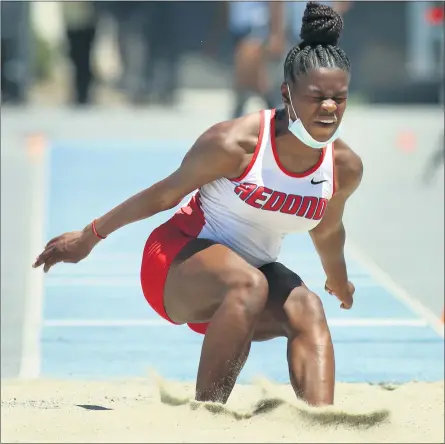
[329,235]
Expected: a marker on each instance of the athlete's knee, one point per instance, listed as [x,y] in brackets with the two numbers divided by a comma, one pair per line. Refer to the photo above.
[247,289]
[305,312]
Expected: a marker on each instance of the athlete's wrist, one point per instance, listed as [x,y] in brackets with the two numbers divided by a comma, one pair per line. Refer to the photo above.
[336,284]
[88,236]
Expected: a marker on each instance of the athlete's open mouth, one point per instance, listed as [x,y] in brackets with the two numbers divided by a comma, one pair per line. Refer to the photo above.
[326,120]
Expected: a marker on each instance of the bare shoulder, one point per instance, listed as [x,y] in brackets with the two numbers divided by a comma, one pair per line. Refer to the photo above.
[237,135]
[348,167]
[231,143]
[221,151]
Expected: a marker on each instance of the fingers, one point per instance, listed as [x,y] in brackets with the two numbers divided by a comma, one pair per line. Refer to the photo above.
[48,258]
[345,306]
[51,242]
[43,257]
[47,252]
[49,263]
[347,303]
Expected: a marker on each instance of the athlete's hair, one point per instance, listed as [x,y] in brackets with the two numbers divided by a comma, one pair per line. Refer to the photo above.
[320,32]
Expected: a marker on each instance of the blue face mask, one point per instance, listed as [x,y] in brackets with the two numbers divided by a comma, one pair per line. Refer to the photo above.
[297,128]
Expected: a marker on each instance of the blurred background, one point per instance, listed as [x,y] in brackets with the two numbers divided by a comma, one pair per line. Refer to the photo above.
[100,99]
[146,53]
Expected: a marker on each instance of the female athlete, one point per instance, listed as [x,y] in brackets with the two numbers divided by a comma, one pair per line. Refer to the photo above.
[213,264]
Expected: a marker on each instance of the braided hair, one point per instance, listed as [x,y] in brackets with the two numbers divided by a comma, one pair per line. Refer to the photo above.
[320,32]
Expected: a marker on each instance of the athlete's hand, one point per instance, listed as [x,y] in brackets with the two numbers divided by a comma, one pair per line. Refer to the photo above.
[69,247]
[344,293]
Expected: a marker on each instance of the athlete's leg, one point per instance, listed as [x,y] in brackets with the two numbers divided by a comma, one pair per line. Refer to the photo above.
[292,310]
[209,282]
[310,352]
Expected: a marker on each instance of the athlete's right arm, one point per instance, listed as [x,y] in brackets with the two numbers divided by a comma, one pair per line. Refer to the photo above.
[214,155]
[210,158]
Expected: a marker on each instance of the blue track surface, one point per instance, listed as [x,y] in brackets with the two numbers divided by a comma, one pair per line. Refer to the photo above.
[85,303]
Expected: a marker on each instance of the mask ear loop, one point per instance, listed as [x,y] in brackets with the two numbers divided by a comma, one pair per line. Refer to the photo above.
[291,104]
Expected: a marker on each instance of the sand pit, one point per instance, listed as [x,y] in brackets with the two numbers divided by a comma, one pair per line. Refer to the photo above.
[140,410]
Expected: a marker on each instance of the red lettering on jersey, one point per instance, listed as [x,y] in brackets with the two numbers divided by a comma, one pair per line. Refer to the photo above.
[275,201]
[291,204]
[308,207]
[244,189]
[321,208]
[258,195]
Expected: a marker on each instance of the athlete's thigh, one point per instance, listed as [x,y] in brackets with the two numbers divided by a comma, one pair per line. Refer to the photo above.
[274,322]
[199,277]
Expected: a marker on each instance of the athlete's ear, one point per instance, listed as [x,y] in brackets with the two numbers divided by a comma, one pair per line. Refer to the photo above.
[285,93]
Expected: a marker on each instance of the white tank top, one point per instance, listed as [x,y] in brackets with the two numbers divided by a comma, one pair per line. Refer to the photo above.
[252,213]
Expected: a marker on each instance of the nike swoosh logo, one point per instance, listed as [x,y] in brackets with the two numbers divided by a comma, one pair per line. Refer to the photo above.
[313,182]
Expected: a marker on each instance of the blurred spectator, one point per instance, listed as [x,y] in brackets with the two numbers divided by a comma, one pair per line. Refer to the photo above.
[163,65]
[257,28]
[147,42]
[263,32]
[80,22]
[132,19]
[15,42]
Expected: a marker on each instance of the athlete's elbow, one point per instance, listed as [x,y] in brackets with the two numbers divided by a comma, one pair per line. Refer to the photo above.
[324,232]
[168,193]
[159,203]
[168,203]
[162,199]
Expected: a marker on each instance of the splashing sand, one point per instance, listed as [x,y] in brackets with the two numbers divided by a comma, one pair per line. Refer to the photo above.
[139,410]
[271,399]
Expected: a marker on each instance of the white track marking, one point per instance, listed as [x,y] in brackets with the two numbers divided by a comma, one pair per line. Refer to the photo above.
[31,349]
[385,280]
[353,322]
[134,282]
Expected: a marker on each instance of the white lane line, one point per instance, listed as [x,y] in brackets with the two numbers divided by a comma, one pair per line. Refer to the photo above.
[353,322]
[386,281]
[37,151]
[111,281]
[133,281]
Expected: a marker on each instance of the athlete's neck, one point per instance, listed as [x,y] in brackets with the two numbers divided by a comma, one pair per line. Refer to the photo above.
[287,143]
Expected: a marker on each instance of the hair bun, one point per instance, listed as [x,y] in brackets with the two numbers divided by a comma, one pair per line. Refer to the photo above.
[321,25]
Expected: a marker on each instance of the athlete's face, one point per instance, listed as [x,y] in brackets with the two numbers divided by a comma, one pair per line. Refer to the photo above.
[319,99]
